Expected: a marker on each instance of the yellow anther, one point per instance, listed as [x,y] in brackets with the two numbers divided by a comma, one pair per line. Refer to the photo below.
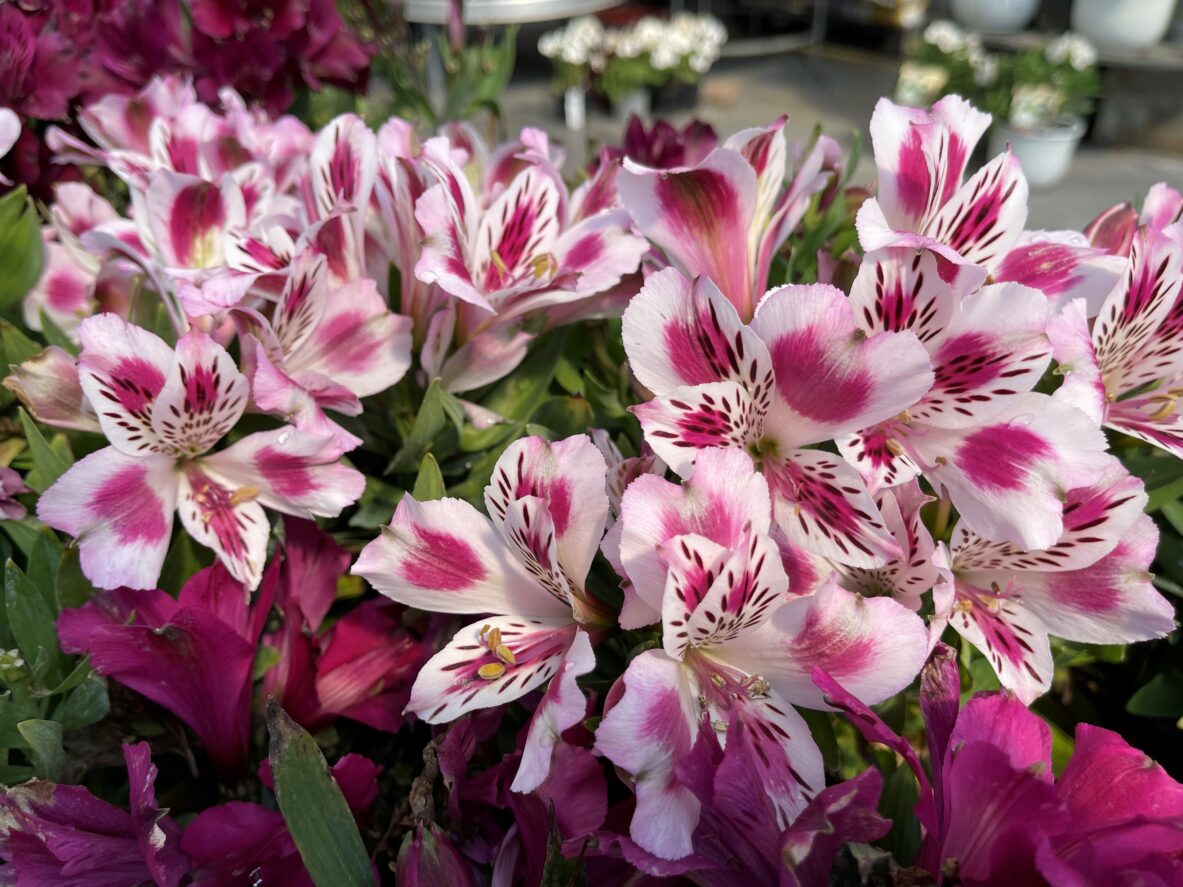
[505,654]
[544,266]
[757,686]
[491,671]
[894,447]
[244,494]
[498,262]
[1167,408]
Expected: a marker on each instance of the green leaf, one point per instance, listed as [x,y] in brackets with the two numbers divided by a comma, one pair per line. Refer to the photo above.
[87,704]
[48,463]
[897,803]
[73,588]
[429,484]
[54,335]
[1160,697]
[43,566]
[17,347]
[520,393]
[1163,476]
[21,250]
[31,622]
[376,505]
[438,412]
[313,807]
[45,747]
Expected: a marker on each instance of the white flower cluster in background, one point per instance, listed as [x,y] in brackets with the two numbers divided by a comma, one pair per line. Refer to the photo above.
[952,40]
[695,40]
[1071,48]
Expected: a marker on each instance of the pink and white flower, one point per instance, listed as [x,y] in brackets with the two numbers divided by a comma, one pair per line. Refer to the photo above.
[735,647]
[1092,585]
[1127,373]
[162,411]
[801,373]
[525,565]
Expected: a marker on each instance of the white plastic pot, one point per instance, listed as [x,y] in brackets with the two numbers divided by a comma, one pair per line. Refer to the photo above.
[997,16]
[1122,25]
[1045,155]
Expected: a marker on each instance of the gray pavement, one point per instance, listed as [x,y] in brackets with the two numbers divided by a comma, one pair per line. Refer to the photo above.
[838,88]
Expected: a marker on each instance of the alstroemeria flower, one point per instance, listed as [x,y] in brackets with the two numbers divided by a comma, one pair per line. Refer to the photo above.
[1003,454]
[1114,229]
[162,411]
[10,486]
[1127,374]
[64,835]
[1092,585]
[992,813]
[324,348]
[734,648]
[726,217]
[801,373]
[48,387]
[193,655]
[524,564]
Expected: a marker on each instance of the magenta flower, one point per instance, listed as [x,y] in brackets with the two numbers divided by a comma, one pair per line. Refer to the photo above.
[64,835]
[428,858]
[737,647]
[11,486]
[1114,229]
[38,69]
[164,647]
[525,565]
[162,411]
[663,146]
[992,811]
[240,842]
[798,375]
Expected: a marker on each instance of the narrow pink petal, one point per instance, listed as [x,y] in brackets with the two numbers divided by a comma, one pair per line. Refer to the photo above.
[1076,361]
[563,706]
[467,675]
[218,516]
[48,387]
[343,165]
[902,289]
[202,398]
[687,420]
[913,573]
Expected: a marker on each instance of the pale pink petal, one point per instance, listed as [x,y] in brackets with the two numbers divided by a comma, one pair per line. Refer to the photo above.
[445,255]
[721,600]
[985,218]
[874,646]
[202,398]
[290,471]
[1008,477]
[1162,206]
[765,151]
[528,528]
[217,515]
[700,218]
[921,155]
[634,612]
[48,387]
[652,725]
[189,218]
[302,304]
[1008,634]
[993,348]
[65,292]
[1076,361]
[491,662]
[831,378]
[807,571]
[446,556]
[1062,271]
[274,392]
[600,250]
[823,505]
[1152,417]
[1112,601]
[122,370]
[486,357]
[1113,229]
[678,332]
[358,342]
[343,165]
[120,510]
[686,420]
[569,476]
[723,499]
[563,706]
[1096,517]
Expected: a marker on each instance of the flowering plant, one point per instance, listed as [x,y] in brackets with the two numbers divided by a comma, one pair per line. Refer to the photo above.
[577,541]
[650,52]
